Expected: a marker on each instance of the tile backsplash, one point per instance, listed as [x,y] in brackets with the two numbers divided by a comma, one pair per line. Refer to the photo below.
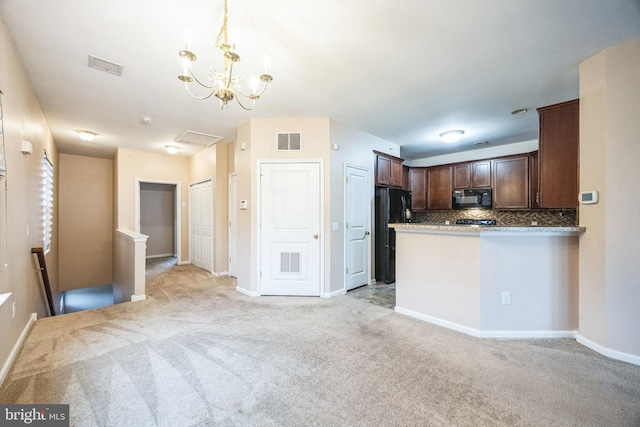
[547,217]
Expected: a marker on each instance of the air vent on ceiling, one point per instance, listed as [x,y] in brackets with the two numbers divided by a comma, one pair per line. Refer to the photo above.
[104,65]
[198,138]
[289,142]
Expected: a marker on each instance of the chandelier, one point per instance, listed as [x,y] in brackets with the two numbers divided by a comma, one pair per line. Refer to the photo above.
[223,84]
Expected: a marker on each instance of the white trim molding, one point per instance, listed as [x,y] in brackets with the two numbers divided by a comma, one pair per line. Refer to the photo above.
[222,273]
[333,294]
[16,348]
[135,298]
[486,334]
[246,292]
[614,354]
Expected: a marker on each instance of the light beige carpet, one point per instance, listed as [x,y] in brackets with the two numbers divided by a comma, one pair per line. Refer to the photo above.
[197,353]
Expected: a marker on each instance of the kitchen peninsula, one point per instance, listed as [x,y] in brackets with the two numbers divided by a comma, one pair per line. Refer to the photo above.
[491,281]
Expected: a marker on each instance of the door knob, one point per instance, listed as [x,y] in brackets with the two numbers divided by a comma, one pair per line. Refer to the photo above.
[366,233]
[315,236]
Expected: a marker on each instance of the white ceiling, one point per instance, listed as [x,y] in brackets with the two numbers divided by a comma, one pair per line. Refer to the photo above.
[403,70]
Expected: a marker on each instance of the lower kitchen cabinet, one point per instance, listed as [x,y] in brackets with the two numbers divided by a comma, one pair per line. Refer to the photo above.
[511,183]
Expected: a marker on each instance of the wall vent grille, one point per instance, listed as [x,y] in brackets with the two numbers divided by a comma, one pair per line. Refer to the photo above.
[289,142]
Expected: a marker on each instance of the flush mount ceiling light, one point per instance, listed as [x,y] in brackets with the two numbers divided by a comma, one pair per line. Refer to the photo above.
[452,135]
[86,135]
[223,85]
[172,149]
[519,111]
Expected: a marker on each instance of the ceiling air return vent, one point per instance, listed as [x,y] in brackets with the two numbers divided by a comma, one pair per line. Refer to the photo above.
[104,65]
[198,138]
[289,141]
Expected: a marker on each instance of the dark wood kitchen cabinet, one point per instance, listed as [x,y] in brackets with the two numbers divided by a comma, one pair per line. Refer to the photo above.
[439,187]
[534,172]
[405,178]
[388,170]
[511,183]
[558,155]
[472,175]
[418,188]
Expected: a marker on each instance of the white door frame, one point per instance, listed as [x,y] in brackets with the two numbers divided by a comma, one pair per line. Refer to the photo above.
[344,217]
[259,164]
[177,204]
[231,207]
[213,210]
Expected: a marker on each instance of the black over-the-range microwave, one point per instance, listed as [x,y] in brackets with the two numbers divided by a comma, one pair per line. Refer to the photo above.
[475,198]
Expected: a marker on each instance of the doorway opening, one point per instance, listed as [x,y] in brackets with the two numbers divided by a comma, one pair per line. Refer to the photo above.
[158,216]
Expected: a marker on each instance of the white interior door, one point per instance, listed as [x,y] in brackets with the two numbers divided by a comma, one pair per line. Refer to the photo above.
[201,225]
[290,220]
[233,225]
[357,228]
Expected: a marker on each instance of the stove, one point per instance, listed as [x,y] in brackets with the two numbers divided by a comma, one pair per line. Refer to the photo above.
[473,221]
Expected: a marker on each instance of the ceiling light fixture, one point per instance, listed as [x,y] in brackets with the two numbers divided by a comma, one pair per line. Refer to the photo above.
[172,149]
[519,111]
[223,85]
[86,135]
[452,135]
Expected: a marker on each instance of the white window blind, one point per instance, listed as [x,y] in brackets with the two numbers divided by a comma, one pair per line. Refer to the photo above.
[47,203]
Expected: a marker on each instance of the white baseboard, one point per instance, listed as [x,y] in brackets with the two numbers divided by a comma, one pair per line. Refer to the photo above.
[160,256]
[246,292]
[135,298]
[16,348]
[224,273]
[614,354]
[486,334]
[333,294]
[183,262]
[373,282]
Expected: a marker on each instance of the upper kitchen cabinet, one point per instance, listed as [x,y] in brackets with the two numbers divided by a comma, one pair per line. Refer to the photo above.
[472,175]
[439,187]
[388,170]
[511,182]
[558,155]
[418,188]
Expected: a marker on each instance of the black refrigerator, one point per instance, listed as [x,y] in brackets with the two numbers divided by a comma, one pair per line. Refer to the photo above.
[393,205]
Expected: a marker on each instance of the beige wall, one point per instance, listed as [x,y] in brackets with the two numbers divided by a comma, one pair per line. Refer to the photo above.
[134,165]
[259,139]
[211,164]
[22,120]
[609,153]
[157,218]
[355,148]
[86,221]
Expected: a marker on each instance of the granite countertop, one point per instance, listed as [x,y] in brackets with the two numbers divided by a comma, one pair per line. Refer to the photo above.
[490,228]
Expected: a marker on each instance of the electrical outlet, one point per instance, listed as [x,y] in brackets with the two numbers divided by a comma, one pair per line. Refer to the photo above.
[14,310]
[506,298]
[534,223]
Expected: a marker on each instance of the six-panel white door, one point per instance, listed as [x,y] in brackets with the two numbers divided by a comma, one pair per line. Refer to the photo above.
[290,229]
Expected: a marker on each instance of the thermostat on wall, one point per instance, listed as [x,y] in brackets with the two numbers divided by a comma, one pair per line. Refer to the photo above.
[588,197]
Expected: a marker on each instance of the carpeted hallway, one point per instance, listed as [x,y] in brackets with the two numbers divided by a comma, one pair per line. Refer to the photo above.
[198,353]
